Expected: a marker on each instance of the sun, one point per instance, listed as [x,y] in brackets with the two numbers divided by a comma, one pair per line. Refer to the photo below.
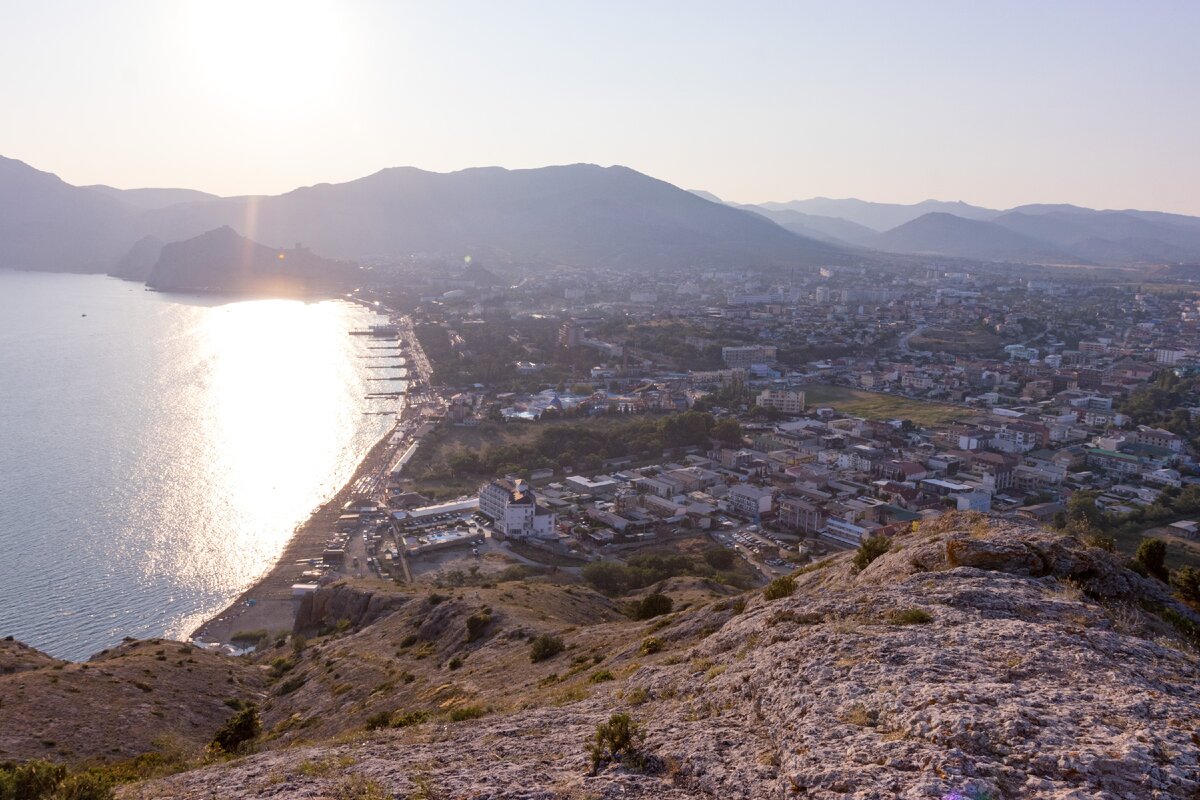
[266,55]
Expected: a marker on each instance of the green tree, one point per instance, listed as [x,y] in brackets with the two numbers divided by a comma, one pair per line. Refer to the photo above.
[240,729]
[1186,582]
[653,605]
[727,430]
[719,558]
[870,549]
[1152,554]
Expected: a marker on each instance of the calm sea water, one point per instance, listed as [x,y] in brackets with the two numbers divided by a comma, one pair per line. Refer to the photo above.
[156,454]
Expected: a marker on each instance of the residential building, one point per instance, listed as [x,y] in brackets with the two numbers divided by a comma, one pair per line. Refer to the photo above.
[786,401]
[513,507]
[749,501]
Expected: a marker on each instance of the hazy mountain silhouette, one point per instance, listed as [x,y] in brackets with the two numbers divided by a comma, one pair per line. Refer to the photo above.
[579,215]
[834,230]
[222,261]
[50,225]
[153,198]
[880,216]
[944,234]
[138,263]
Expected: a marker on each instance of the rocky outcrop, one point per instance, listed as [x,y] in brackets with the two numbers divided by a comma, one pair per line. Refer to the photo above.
[349,605]
[985,658]
[18,657]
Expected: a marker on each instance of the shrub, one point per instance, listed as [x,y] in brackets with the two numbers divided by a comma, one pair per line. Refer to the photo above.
[1186,582]
[909,616]
[781,587]
[719,558]
[618,740]
[477,624]
[290,685]
[466,712]
[455,663]
[600,676]
[408,720]
[34,780]
[870,549]
[240,729]
[1152,554]
[380,719]
[650,646]
[653,605]
[544,647]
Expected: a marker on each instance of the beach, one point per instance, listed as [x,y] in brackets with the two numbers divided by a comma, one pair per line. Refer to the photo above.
[268,605]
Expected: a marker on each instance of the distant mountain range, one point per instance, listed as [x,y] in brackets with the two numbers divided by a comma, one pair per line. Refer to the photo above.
[579,215]
[1031,233]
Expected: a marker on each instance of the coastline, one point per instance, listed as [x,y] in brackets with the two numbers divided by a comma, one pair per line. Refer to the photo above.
[273,609]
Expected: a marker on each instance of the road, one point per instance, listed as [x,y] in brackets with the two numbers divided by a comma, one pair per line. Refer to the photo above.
[903,345]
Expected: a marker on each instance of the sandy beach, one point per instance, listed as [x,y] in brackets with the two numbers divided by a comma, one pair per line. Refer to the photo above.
[273,609]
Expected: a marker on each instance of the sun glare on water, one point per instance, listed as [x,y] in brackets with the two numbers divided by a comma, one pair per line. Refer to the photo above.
[266,56]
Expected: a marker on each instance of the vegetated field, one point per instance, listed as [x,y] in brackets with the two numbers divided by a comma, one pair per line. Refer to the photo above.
[1181,552]
[963,341]
[427,468]
[882,406]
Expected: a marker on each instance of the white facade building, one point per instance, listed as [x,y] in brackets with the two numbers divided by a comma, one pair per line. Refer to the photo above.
[513,507]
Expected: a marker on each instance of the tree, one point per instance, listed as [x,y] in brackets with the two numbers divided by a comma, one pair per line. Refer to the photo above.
[719,558]
[653,605]
[1152,554]
[1082,508]
[870,549]
[727,430]
[238,730]
[1186,582]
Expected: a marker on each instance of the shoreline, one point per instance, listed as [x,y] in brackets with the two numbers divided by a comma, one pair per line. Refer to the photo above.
[273,608]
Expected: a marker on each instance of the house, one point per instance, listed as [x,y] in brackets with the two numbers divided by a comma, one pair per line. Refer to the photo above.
[1040,512]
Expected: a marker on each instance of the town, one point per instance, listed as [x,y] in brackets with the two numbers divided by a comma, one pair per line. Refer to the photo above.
[576,420]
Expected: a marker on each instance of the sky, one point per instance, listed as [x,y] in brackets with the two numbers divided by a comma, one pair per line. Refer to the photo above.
[996,103]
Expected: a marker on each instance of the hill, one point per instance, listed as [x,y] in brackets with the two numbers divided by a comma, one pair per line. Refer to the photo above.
[579,215]
[938,233]
[988,658]
[51,226]
[222,261]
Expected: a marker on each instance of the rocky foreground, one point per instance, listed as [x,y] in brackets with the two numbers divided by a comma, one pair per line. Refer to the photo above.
[997,661]
[987,659]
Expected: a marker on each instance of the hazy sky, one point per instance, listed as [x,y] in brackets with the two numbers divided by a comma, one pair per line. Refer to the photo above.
[1091,102]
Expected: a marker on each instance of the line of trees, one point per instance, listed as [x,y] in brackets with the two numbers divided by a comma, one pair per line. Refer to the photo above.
[587,446]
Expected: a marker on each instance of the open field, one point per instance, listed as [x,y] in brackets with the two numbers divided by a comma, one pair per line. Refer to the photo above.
[956,341]
[1181,552]
[871,405]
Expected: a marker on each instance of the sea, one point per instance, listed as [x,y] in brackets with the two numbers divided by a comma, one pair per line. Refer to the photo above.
[157,450]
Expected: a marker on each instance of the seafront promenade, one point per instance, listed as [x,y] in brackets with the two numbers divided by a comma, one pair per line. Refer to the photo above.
[268,605]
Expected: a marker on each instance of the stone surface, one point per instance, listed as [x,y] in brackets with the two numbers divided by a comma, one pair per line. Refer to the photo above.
[1045,670]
